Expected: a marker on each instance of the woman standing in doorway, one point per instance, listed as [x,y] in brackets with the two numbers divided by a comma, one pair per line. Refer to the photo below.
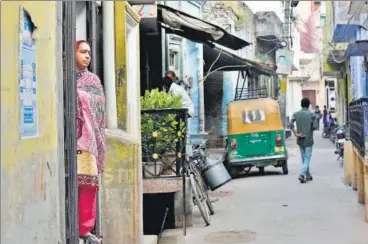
[91,141]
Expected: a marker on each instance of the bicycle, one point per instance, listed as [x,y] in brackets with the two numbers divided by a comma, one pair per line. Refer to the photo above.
[199,157]
[199,197]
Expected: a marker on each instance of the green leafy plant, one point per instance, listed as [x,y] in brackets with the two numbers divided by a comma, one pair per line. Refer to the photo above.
[155,99]
[160,131]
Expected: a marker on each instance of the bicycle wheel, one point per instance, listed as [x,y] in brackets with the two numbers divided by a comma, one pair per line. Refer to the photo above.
[204,189]
[198,199]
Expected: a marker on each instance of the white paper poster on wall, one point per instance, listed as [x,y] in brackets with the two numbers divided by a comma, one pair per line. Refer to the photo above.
[284,61]
[28,126]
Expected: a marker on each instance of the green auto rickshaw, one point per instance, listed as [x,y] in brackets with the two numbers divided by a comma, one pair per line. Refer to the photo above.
[256,136]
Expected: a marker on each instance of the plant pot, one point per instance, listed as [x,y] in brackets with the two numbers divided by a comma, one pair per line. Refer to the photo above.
[152,169]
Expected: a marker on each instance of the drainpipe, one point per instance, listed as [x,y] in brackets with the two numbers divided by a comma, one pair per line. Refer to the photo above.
[109,62]
[202,116]
[70,111]
[91,10]
[201,98]
[60,119]
[147,69]
[347,99]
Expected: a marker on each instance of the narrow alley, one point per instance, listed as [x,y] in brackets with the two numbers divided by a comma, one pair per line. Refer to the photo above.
[277,209]
[107,139]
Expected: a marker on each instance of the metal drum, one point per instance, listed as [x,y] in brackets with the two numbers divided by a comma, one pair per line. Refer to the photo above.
[215,173]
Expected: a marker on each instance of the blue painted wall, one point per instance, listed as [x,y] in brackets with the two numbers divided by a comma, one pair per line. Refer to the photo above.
[358,73]
[191,72]
[191,63]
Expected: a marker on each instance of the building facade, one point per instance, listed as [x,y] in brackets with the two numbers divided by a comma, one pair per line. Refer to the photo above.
[348,55]
[238,19]
[32,168]
[307,33]
[35,188]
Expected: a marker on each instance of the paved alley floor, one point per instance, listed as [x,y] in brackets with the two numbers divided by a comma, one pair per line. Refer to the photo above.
[277,209]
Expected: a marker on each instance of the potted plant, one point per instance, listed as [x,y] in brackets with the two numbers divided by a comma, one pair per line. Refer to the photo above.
[160,131]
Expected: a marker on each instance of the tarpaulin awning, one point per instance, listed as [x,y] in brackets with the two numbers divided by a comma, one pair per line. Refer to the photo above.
[358,48]
[345,33]
[195,29]
[231,62]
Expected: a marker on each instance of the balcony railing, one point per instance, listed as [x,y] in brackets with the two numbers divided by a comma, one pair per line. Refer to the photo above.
[358,110]
[246,93]
[164,134]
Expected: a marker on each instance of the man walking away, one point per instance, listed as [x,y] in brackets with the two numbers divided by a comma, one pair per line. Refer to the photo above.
[317,111]
[325,114]
[306,123]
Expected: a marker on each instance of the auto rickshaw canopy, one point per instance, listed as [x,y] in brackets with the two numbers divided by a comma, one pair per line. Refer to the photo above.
[253,116]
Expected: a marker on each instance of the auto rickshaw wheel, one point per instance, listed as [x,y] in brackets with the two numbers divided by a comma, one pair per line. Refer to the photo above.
[233,171]
[285,168]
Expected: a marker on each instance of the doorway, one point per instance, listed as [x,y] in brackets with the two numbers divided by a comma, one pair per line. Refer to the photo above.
[81,21]
[311,95]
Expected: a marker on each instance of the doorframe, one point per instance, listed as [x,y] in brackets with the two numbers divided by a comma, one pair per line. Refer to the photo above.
[70,142]
[327,91]
[172,41]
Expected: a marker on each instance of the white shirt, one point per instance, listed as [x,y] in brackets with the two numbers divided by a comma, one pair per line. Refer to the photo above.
[177,90]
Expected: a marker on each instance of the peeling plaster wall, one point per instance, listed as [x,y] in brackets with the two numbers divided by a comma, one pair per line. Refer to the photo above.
[120,220]
[268,24]
[32,170]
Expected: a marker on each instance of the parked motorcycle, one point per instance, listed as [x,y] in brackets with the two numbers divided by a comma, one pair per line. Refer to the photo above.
[329,130]
[339,142]
[333,131]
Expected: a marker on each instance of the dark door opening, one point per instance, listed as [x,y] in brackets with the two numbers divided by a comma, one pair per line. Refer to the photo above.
[213,98]
[154,209]
[150,61]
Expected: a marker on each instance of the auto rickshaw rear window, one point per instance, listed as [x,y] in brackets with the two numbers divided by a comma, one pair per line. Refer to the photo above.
[254,116]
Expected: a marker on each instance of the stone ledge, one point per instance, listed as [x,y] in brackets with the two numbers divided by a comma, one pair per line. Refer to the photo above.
[162,185]
[149,239]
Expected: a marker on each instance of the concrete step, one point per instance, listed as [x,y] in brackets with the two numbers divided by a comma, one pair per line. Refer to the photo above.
[149,239]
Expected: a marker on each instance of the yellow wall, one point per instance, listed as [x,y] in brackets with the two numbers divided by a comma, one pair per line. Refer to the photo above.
[120,64]
[14,149]
[30,167]
[327,38]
